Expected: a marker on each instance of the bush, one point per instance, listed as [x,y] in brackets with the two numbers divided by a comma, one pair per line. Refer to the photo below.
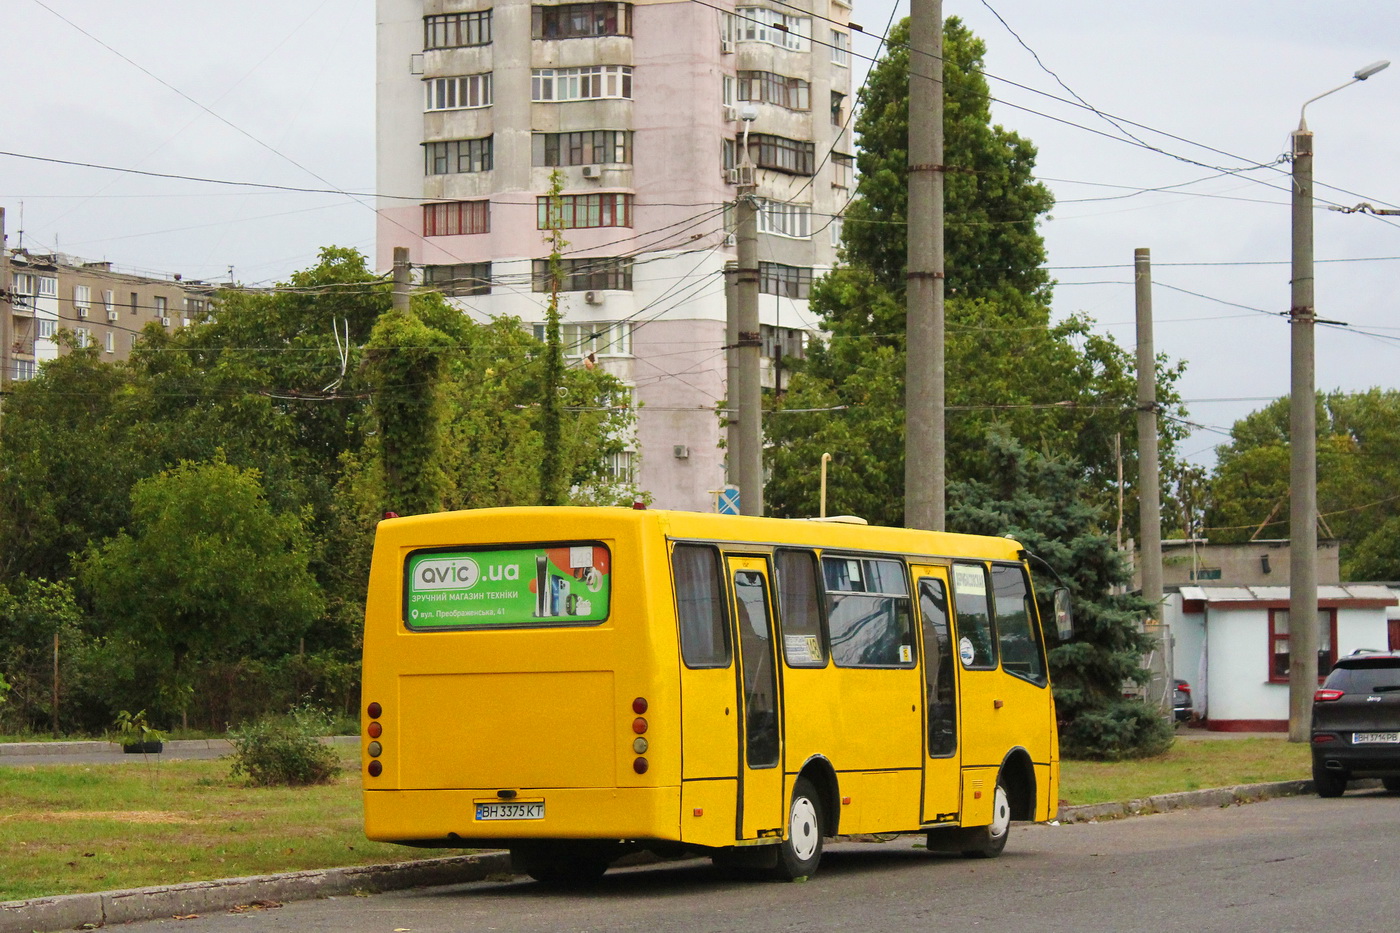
[1121,730]
[285,750]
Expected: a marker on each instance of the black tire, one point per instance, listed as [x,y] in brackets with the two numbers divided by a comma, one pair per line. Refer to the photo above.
[560,866]
[1329,783]
[1391,784]
[989,841]
[801,850]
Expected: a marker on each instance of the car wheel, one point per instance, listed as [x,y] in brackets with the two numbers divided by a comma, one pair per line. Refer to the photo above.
[802,849]
[989,841]
[1391,784]
[1329,783]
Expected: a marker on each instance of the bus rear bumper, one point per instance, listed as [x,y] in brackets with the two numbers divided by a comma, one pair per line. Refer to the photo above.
[450,818]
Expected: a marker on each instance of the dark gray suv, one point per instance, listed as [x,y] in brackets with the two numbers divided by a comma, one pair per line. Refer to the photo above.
[1356,723]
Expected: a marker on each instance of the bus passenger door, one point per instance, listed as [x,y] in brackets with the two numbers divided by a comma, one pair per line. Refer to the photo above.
[942,761]
[761,804]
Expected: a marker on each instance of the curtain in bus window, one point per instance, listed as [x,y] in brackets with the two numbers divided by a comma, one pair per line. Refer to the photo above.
[938,670]
[868,612]
[799,609]
[976,648]
[700,606]
[1020,646]
[760,679]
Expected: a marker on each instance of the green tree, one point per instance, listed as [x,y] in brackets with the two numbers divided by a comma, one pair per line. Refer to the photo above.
[34,614]
[209,572]
[1040,501]
[1358,469]
[1055,385]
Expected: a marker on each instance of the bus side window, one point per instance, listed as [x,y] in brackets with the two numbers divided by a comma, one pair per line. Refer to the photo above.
[867,612]
[799,609]
[700,606]
[1016,629]
[977,649]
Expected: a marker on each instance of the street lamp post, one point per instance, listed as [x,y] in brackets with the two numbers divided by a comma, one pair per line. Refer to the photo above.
[1302,433]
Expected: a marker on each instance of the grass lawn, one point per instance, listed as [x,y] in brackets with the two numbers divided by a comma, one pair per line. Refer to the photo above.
[74,828]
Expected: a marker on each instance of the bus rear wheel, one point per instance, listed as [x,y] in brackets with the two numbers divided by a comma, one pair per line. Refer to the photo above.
[560,865]
[978,841]
[801,851]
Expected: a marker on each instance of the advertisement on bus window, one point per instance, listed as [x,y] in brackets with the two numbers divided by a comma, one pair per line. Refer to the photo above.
[520,586]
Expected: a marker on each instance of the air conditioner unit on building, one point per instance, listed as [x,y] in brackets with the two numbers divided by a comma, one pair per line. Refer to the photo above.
[165,322]
[593,298]
[726,46]
[113,316]
[730,114]
[680,452]
[743,175]
[592,171]
[82,312]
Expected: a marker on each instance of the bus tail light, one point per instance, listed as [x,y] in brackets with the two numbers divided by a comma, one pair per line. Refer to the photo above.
[639,725]
[639,705]
[374,730]
[640,766]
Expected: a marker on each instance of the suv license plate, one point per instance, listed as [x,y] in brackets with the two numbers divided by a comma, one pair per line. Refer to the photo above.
[533,810]
[1375,738]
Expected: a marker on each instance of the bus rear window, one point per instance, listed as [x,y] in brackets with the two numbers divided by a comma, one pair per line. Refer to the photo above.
[482,588]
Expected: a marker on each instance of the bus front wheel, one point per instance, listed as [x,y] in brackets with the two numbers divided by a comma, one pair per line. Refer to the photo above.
[989,841]
[801,851]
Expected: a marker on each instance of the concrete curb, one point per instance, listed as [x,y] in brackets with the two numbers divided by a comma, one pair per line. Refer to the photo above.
[72,911]
[89,911]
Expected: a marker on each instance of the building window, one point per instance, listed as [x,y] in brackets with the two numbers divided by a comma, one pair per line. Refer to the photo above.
[82,299]
[111,342]
[783,219]
[109,300]
[26,283]
[24,370]
[840,48]
[619,466]
[460,92]
[794,156]
[757,24]
[591,147]
[82,336]
[47,328]
[783,342]
[135,302]
[774,278]
[601,338]
[768,88]
[464,280]
[457,218]
[836,225]
[843,167]
[728,153]
[578,20]
[161,307]
[1279,639]
[584,275]
[196,306]
[48,286]
[584,210]
[591,82]
[838,108]
[456,156]
[456,30]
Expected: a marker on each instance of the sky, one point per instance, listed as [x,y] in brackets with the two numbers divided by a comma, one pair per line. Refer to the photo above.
[282,93]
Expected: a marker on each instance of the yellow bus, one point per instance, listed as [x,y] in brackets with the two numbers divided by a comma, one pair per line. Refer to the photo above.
[577,683]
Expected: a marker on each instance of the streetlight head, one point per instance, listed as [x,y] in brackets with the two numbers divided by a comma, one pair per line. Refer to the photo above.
[749,113]
[1363,73]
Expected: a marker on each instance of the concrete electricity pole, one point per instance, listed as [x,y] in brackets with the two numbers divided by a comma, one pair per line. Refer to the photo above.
[924,391]
[747,394]
[7,321]
[1302,437]
[1149,481]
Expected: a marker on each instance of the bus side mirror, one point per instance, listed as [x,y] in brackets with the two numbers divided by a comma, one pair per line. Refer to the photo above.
[1064,618]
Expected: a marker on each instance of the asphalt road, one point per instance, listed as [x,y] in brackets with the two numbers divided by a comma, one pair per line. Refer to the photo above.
[1291,864]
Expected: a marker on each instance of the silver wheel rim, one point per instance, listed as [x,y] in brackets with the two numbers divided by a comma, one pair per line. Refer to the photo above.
[1001,814]
[803,833]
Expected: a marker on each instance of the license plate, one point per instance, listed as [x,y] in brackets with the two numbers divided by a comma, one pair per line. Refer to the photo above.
[1375,738]
[525,810]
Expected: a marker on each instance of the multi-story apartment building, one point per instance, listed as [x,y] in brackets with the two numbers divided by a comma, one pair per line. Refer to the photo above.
[639,108]
[101,307]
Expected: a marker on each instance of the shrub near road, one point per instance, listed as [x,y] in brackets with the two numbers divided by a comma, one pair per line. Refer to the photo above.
[71,829]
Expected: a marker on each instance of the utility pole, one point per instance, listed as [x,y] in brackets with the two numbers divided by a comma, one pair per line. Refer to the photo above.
[924,479]
[401,279]
[7,321]
[747,345]
[1302,474]
[1149,480]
